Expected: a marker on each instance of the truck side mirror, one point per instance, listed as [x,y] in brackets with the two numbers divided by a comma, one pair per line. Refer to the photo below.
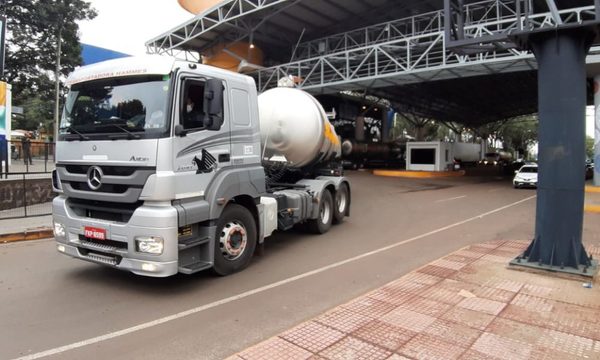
[213,104]
[180,131]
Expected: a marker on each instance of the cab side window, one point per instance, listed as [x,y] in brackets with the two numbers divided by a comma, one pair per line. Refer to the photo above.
[192,112]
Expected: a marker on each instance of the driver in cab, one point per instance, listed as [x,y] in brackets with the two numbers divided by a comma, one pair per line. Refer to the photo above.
[192,117]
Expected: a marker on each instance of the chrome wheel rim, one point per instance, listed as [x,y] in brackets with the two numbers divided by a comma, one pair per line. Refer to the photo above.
[325,212]
[341,200]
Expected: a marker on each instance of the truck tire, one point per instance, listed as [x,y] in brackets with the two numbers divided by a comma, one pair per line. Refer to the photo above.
[322,224]
[342,201]
[235,240]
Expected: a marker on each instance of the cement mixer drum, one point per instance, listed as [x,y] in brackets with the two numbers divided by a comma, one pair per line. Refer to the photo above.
[294,128]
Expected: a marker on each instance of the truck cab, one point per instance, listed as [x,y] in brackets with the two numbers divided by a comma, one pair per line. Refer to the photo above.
[159,169]
[137,167]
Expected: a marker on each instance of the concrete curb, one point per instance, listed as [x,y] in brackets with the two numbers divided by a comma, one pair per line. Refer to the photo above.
[592,208]
[592,189]
[29,234]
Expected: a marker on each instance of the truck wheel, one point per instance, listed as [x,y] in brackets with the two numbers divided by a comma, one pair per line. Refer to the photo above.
[342,201]
[322,224]
[235,240]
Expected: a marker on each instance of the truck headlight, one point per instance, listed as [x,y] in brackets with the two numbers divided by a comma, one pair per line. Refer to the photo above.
[149,244]
[59,231]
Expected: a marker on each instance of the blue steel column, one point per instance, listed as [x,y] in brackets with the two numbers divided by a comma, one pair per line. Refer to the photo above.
[562,99]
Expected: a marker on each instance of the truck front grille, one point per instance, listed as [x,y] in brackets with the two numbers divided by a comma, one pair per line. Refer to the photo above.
[103,210]
[102,245]
[106,188]
[100,257]
[119,184]
[107,170]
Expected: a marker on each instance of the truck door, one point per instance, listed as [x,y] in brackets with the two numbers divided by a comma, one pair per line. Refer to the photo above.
[202,143]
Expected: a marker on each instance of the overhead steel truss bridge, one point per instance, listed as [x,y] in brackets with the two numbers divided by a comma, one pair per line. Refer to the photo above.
[437,45]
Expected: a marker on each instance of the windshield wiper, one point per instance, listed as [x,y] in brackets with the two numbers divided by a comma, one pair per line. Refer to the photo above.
[73,131]
[129,133]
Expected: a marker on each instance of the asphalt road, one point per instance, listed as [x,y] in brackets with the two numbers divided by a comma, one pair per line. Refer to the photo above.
[60,308]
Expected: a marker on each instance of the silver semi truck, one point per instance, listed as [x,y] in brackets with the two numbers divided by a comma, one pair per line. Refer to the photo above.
[166,166]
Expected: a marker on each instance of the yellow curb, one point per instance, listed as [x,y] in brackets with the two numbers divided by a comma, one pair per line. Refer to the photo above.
[592,189]
[418,174]
[26,235]
[592,208]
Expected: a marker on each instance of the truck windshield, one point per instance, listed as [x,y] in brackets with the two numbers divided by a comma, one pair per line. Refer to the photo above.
[133,107]
[529,169]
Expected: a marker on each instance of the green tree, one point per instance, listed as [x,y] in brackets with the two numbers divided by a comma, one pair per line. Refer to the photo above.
[518,134]
[37,110]
[489,131]
[589,147]
[42,45]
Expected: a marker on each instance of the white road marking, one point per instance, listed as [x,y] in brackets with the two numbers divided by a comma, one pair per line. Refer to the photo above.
[450,199]
[246,294]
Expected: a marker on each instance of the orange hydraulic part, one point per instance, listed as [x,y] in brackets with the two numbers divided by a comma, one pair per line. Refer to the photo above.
[221,56]
[197,6]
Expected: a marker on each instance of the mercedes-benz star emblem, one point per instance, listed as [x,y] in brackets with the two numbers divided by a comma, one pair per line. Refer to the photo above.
[94,177]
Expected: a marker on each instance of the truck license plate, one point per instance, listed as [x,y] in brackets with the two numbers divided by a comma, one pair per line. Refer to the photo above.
[94,233]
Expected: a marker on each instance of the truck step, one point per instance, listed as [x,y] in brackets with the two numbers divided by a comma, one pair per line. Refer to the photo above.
[190,243]
[195,267]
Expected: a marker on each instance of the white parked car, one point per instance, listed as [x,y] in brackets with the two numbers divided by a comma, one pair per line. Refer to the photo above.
[526,176]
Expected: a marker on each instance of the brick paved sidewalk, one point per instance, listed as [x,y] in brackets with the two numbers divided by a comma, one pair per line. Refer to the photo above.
[467,305]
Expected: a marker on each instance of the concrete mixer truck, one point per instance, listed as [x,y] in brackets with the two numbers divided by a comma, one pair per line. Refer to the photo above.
[165,166]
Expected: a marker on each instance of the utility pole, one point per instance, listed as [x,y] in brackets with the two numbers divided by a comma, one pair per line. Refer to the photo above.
[57,77]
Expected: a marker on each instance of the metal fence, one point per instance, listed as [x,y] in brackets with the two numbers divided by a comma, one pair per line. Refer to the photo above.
[25,178]
[22,156]
[25,195]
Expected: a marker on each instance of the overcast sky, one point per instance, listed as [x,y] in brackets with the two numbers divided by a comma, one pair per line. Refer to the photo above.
[126,25]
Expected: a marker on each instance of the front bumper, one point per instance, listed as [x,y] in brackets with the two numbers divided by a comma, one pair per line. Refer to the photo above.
[119,250]
[524,183]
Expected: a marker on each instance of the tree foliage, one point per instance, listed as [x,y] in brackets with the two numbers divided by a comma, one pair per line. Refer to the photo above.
[589,147]
[37,110]
[34,28]
[518,134]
